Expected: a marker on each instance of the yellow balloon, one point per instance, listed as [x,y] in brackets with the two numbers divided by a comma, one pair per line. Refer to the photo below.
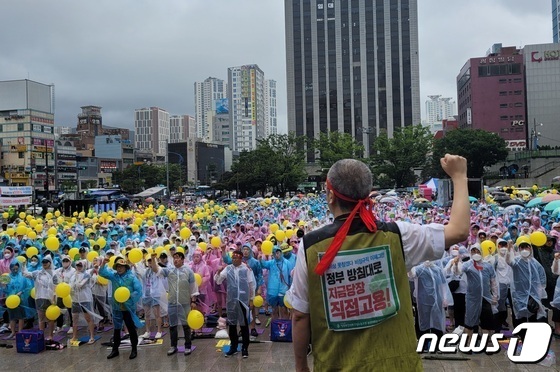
[21,230]
[92,255]
[13,301]
[258,301]
[62,290]
[67,301]
[73,252]
[185,233]
[10,231]
[32,293]
[274,227]
[487,247]
[195,319]
[21,259]
[38,227]
[203,246]
[266,247]
[32,235]
[280,235]
[135,256]
[52,231]
[538,238]
[216,241]
[31,251]
[57,213]
[159,250]
[22,215]
[48,216]
[52,312]
[52,243]
[197,279]
[287,303]
[5,215]
[180,249]
[122,294]
[103,281]
[112,261]
[101,242]
[289,233]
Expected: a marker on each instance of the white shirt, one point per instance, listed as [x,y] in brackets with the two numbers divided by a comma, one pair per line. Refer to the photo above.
[420,243]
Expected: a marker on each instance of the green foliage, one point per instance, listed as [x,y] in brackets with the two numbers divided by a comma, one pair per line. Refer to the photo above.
[335,146]
[278,162]
[479,147]
[136,178]
[397,157]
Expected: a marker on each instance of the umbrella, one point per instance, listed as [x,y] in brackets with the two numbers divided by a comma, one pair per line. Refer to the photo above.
[511,202]
[502,198]
[388,199]
[552,205]
[556,179]
[555,212]
[392,193]
[472,199]
[524,192]
[513,207]
[421,200]
[149,200]
[550,197]
[534,202]
[422,205]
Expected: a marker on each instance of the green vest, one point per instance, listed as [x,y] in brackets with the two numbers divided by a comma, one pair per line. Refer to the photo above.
[387,346]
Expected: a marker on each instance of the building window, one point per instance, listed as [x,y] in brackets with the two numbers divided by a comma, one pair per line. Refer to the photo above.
[21,155]
[503,105]
[504,117]
[503,93]
[519,104]
[20,127]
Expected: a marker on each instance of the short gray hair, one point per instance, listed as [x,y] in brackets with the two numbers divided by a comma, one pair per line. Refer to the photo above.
[351,178]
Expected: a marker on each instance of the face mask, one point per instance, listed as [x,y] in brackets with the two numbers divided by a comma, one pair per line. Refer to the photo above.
[33,263]
[454,253]
[7,256]
[476,257]
[525,253]
[503,251]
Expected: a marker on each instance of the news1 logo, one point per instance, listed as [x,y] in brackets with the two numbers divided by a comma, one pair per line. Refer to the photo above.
[535,343]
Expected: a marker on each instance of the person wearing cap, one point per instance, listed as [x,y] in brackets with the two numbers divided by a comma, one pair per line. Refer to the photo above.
[504,276]
[63,275]
[349,183]
[78,242]
[529,282]
[240,293]
[82,299]
[122,276]
[44,281]
[287,253]
[183,292]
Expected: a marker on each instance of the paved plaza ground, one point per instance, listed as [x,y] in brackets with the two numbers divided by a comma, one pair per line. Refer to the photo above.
[270,357]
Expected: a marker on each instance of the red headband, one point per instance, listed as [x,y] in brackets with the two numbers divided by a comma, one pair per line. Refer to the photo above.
[365,214]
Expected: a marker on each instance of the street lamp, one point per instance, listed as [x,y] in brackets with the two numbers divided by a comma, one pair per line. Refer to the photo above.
[181,161]
[535,135]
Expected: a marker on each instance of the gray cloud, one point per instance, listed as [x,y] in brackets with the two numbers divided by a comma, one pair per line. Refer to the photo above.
[128,54]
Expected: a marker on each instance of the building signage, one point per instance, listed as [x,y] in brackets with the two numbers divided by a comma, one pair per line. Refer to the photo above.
[491,60]
[4,202]
[548,55]
[516,144]
[517,123]
[19,190]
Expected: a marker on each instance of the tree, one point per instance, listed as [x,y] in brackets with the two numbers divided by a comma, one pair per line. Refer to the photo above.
[479,147]
[397,157]
[335,146]
[134,179]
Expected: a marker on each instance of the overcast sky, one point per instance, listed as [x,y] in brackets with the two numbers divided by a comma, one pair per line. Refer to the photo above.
[128,54]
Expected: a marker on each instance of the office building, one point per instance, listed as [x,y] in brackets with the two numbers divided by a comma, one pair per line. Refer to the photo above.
[270,118]
[152,131]
[491,95]
[27,134]
[352,67]
[556,21]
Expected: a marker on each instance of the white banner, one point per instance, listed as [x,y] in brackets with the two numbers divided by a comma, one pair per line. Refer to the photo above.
[16,190]
[6,202]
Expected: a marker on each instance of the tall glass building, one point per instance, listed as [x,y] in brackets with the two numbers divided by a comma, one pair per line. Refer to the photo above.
[556,21]
[352,66]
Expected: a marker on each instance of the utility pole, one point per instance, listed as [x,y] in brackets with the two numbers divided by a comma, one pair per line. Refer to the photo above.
[47,170]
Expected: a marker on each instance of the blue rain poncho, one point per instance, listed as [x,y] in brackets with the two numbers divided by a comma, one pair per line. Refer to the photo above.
[278,276]
[432,295]
[481,284]
[19,284]
[130,281]
[529,279]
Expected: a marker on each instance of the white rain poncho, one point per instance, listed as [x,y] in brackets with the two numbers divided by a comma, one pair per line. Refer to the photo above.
[240,289]
[504,276]
[432,295]
[556,270]
[44,280]
[182,286]
[153,289]
[481,284]
[529,279]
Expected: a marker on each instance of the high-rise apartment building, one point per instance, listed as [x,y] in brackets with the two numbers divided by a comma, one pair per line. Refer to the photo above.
[556,21]
[181,127]
[270,118]
[27,134]
[246,93]
[206,94]
[352,66]
[152,131]
[438,109]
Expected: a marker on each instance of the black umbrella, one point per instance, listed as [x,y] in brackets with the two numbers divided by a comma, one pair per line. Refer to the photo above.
[513,202]
[422,205]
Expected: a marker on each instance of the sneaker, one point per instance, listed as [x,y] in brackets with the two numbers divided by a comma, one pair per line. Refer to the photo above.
[145,335]
[56,330]
[245,353]
[70,330]
[172,350]
[459,330]
[188,351]
[158,335]
[257,321]
[231,352]
[254,333]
